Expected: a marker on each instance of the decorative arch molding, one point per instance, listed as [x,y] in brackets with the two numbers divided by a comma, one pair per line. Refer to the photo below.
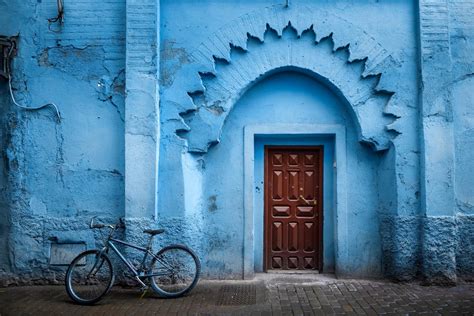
[225,65]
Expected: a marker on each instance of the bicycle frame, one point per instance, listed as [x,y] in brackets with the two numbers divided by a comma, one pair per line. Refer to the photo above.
[137,273]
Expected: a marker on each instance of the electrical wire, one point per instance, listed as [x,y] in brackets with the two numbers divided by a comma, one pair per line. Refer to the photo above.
[59,18]
[31,108]
[13,96]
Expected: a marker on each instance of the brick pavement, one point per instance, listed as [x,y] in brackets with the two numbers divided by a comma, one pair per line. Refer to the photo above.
[280,295]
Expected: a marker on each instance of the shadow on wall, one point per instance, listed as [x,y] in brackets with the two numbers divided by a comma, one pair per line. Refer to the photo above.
[4,207]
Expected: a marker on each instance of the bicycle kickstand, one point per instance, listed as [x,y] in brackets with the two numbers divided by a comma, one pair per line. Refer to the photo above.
[143,288]
[144,291]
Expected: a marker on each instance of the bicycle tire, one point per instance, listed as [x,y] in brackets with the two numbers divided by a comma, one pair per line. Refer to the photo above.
[166,285]
[84,263]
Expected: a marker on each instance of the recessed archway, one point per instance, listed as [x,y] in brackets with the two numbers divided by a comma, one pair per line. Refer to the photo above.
[223,67]
[323,120]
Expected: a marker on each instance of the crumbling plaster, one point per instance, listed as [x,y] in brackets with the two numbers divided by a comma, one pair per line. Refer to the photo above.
[61,173]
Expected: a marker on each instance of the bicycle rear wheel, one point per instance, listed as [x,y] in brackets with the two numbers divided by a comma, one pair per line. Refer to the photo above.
[175,271]
[89,277]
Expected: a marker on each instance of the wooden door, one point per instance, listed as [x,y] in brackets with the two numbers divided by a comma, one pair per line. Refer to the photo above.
[293,208]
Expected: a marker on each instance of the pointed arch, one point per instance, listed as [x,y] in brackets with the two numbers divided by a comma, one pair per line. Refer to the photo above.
[331,49]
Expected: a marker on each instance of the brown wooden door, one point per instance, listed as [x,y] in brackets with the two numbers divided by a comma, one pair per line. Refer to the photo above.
[293,204]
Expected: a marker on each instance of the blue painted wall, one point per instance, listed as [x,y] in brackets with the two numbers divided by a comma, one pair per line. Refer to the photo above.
[405,103]
[463,96]
[60,174]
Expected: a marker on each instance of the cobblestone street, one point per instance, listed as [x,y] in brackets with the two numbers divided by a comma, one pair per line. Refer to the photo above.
[278,295]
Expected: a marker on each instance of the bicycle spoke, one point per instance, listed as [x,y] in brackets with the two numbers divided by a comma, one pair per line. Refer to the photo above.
[175,270]
[89,277]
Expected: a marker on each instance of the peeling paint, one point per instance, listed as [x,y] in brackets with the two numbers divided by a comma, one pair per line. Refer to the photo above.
[59,175]
[173,59]
[81,62]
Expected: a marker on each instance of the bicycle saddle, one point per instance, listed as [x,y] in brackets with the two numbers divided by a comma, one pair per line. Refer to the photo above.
[154,232]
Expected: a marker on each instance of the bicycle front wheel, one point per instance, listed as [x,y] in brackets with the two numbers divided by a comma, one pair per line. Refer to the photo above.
[89,277]
[175,271]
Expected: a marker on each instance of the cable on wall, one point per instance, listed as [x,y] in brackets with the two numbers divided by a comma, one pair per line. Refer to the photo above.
[58,18]
[8,72]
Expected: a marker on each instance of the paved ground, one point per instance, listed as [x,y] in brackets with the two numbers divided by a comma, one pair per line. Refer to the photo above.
[275,294]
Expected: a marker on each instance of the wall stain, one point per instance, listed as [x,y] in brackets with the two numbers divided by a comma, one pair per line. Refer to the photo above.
[212,205]
[172,59]
[216,108]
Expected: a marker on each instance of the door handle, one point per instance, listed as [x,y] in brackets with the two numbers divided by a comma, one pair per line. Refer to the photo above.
[309,202]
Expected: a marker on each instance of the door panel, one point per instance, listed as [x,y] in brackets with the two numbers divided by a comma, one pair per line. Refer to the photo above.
[277,237]
[293,208]
[293,236]
[305,211]
[277,191]
[293,185]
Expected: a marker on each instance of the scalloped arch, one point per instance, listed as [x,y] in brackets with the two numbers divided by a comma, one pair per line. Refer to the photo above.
[231,60]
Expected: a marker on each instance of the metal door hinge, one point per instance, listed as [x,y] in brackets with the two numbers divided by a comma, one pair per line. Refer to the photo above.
[8,50]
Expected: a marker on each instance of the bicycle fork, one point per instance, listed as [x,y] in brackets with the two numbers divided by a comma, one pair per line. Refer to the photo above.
[96,267]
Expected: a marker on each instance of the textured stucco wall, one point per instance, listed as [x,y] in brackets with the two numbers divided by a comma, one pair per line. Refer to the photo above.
[446,35]
[462,41]
[140,150]
[60,174]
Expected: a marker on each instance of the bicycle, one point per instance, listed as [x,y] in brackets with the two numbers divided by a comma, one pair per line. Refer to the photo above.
[172,272]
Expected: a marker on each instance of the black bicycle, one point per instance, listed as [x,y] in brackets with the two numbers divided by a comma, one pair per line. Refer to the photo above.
[172,272]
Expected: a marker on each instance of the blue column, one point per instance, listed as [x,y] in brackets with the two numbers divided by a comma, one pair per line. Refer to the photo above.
[437,178]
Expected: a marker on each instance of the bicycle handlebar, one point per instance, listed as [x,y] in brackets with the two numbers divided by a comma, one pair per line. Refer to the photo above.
[97,225]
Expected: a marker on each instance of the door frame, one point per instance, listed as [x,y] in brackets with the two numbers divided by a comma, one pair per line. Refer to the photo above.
[266,230]
[341,225]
